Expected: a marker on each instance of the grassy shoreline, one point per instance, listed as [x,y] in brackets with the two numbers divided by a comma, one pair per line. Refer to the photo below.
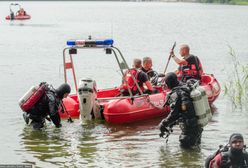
[230,2]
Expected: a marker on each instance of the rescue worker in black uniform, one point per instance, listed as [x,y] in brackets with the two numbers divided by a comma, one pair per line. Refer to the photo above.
[48,105]
[181,111]
[147,68]
[234,157]
[12,15]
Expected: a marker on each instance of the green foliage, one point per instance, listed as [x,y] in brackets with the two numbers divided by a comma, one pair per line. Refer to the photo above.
[236,88]
[233,2]
[216,1]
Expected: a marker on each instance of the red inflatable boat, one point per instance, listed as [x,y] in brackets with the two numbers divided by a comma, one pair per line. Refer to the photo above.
[18,17]
[90,103]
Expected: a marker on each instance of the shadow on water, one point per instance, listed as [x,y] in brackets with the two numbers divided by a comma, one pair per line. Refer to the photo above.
[32,25]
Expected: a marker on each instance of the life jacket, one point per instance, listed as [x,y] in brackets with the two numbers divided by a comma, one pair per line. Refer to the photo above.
[32,96]
[128,81]
[190,70]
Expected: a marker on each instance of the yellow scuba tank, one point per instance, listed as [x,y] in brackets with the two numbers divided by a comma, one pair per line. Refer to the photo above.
[199,107]
[206,103]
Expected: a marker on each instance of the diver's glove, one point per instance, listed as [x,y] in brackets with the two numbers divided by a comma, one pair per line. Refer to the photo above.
[56,120]
[163,127]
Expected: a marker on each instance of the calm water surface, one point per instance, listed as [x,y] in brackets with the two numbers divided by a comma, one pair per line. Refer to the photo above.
[31,51]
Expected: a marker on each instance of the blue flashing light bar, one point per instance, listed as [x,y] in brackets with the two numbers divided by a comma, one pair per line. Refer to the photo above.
[71,42]
[105,42]
[90,43]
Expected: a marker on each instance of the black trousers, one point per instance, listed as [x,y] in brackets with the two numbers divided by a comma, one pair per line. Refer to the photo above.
[38,119]
[190,136]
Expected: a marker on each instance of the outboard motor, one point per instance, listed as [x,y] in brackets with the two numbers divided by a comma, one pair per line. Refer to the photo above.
[87,93]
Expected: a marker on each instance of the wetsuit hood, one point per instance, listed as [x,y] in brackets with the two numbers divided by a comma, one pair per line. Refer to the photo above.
[235,137]
[62,89]
[171,80]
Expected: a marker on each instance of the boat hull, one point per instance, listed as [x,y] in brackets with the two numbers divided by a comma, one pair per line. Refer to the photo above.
[211,86]
[127,110]
[26,17]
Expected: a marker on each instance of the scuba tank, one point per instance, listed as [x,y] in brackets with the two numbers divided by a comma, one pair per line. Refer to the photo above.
[87,93]
[199,106]
[206,103]
[32,96]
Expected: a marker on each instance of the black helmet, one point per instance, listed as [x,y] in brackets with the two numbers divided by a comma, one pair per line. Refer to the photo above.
[62,89]
[171,80]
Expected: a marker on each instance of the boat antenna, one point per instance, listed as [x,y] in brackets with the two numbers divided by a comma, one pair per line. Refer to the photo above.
[112,30]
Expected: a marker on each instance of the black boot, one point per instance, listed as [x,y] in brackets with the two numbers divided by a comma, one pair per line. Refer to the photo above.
[37,125]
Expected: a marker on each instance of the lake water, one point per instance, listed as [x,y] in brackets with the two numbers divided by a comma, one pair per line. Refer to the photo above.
[31,52]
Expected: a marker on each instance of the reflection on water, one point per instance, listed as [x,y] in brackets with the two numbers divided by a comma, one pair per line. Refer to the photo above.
[104,144]
[109,145]
[46,145]
[180,157]
[31,24]
[76,145]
